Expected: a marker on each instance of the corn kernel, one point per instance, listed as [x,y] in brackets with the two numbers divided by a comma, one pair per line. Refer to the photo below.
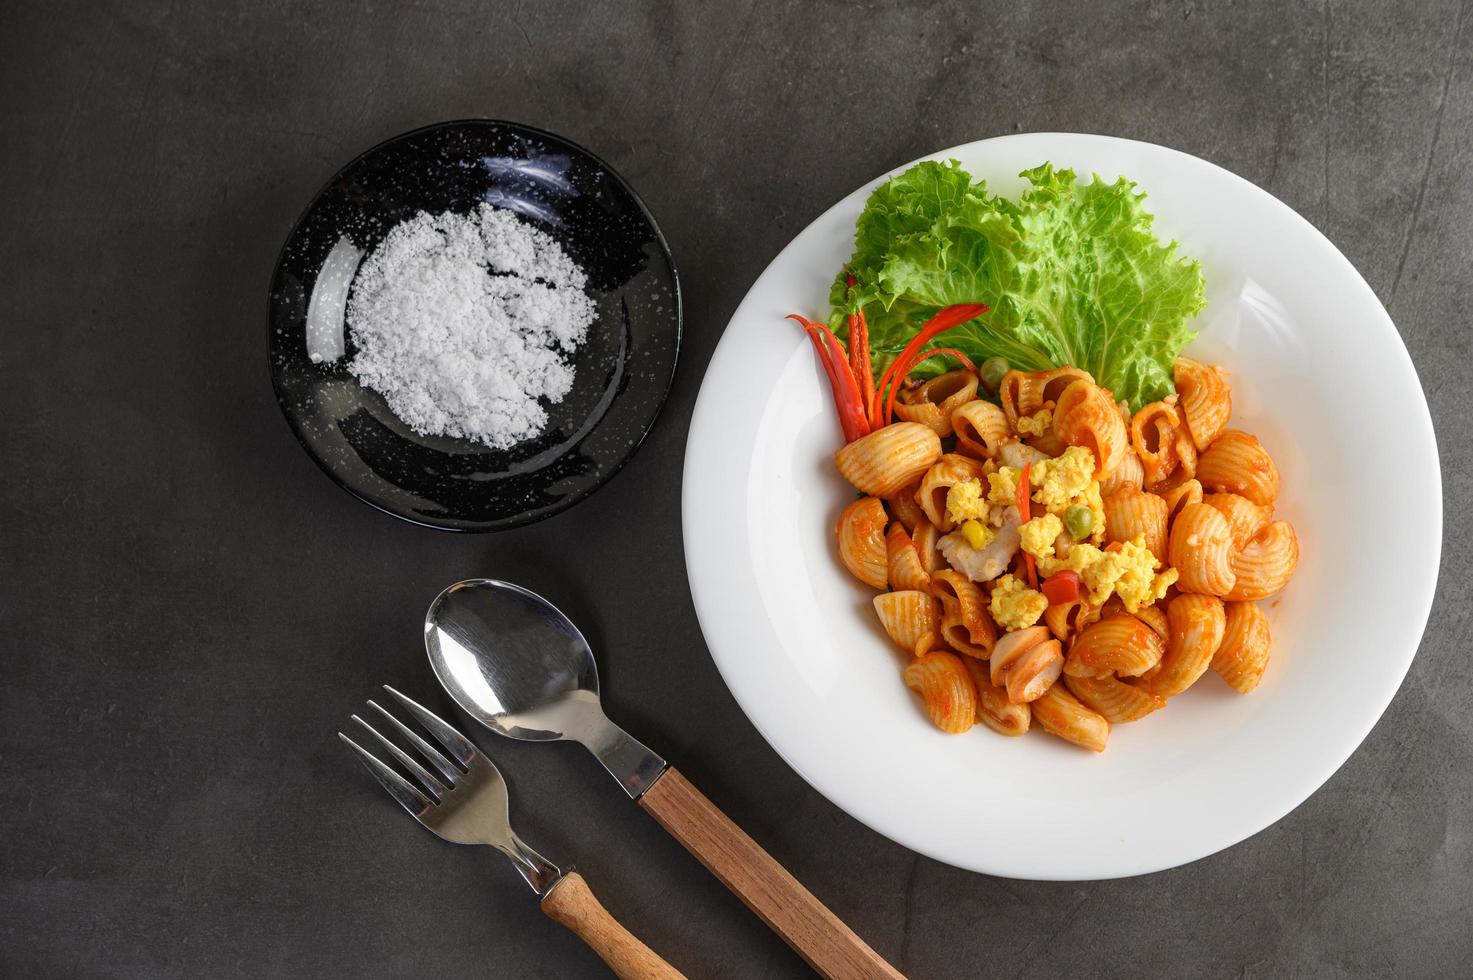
[976,533]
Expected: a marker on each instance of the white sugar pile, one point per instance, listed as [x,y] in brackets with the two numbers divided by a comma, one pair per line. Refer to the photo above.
[462,322]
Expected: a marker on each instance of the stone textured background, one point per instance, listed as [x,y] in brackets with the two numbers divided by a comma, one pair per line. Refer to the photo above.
[190,610]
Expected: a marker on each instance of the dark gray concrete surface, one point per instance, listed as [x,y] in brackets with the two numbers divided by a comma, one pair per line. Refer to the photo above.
[190,609]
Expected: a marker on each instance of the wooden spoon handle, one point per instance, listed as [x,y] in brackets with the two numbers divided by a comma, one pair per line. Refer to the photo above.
[572,904]
[789,909]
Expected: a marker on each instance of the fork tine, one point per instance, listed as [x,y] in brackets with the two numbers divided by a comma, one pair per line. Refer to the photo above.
[437,787]
[458,744]
[409,798]
[446,767]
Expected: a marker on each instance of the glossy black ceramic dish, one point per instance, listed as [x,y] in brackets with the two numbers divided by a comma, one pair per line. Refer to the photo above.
[622,372]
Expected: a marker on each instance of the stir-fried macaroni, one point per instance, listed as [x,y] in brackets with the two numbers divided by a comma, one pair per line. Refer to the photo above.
[1052,558]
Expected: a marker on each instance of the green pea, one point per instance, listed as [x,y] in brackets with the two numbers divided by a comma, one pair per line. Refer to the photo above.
[992,371]
[1079,520]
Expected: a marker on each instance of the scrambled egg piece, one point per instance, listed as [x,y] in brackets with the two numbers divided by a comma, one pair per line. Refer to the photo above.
[1037,424]
[964,502]
[1038,535]
[1003,486]
[1057,482]
[1128,572]
[1014,606]
[977,534]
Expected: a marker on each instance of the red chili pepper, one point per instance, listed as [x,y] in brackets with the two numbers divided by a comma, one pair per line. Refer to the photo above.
[926,356]
[1024,516]
[847,402]
[1062,587]
[859,360]
[846,391]
[900,368]
[856,398]
[859,364]
[950,352]
[823,355]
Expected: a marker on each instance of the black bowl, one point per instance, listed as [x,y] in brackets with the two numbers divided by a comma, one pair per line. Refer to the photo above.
[622,371]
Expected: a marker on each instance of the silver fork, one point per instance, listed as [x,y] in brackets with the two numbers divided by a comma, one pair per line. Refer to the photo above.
[465,801]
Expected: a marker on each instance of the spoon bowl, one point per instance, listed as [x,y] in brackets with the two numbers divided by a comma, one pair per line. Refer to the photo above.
[516,664]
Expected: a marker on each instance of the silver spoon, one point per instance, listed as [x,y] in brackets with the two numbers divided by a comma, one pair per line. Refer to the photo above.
[521,668]
[517,665]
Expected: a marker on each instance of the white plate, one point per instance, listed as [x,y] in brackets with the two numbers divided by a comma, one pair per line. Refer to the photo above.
[1319,374]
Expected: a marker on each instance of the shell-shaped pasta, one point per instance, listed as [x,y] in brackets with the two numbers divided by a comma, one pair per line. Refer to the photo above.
[1160,440]
[1118,701]
[953,635]
[1060,713]
[925,413]
[946,689]
[1010,648]
[932,403]
[903,506]
[1049,444]
[1117,644]
[955,591]
[1243,654]
[1035,671]
[1127,473]
[1154,617]
[981,428]
[1018,396]
[1065,619]
[993,707]
[1123,407]
[1085,415]
[1023,393]
[965,625]
[927,541]
[1178,496]
[1196,623]
[861,531]
[1205,398]
[1244,517]
[903,561]
[1264,565]
[910,617]
[882,462]
[1186,452]
[1130,512]
[1236,462]
[1200,549]
[949,470]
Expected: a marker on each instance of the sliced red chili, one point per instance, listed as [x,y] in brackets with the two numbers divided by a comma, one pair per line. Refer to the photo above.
[950,352]
[852,417]
[944,320]
[1024,516]
[859,363]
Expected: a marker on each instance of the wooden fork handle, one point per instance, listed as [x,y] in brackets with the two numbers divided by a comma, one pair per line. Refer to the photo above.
[789,909]
[571,903]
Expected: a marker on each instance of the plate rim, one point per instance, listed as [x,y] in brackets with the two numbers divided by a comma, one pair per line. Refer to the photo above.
[705,606]
[521,519]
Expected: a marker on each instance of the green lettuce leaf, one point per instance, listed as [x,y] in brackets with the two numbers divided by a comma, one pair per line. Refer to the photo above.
[1073,274]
